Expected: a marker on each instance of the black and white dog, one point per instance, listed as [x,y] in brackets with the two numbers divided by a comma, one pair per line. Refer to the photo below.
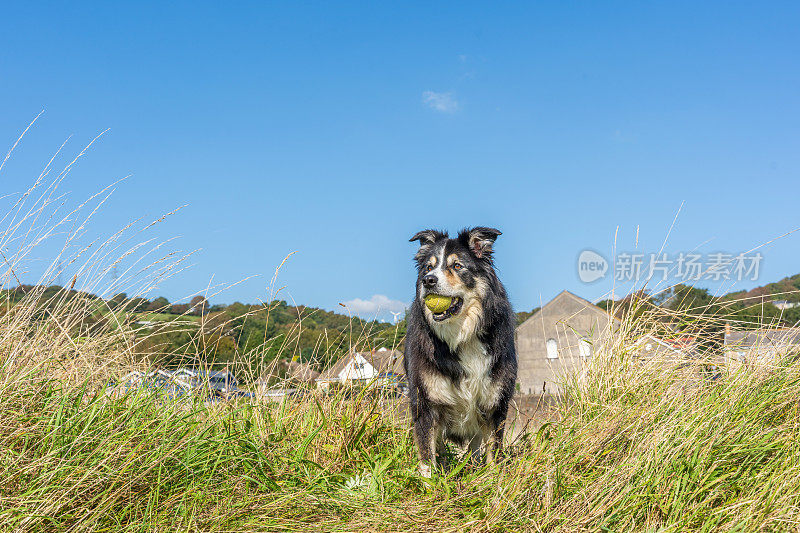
[460,363]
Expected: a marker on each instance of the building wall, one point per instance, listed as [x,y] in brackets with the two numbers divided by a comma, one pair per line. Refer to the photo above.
[567,319]
[358,369]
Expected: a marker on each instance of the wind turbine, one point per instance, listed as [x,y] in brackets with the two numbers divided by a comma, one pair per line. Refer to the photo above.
[395,315]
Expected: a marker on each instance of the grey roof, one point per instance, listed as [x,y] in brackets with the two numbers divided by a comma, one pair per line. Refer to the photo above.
[388,361]
[297,371]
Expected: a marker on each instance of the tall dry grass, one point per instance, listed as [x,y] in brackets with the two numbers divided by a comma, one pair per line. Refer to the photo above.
[636,444]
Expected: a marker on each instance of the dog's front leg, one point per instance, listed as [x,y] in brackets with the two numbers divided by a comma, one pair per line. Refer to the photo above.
[494,445]
[474,449]
[496,431]
[425,435]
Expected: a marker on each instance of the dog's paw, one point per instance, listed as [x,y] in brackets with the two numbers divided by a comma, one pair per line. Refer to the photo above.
[425,470]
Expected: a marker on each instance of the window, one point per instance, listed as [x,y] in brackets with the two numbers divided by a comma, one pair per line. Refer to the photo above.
[552,349]
[585,348]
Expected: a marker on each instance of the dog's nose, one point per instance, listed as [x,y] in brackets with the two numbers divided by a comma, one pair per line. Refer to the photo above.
[429,280]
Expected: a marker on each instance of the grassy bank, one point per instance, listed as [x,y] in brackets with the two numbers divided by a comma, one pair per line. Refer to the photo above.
[635,447]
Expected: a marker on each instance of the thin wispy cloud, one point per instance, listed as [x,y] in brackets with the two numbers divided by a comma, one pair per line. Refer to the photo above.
[441,102]
[378,305]
[466,66]
[622,137]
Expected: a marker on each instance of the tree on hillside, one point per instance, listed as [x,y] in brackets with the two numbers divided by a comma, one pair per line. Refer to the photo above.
[686,298]
[522,316]
[118,300]
[198,305]
[178,309]
[137,305]
[157,305]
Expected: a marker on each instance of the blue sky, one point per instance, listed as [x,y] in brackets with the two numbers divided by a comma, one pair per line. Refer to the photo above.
[339,130]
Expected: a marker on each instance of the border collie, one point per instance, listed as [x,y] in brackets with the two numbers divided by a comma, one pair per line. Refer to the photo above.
[460,363]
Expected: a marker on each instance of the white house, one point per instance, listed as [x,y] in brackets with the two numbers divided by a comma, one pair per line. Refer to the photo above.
[363,367]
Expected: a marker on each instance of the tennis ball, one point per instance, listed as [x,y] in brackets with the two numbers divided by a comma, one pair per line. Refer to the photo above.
[438,304]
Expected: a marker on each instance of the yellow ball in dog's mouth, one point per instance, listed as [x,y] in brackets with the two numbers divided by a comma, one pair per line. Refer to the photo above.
[438,304]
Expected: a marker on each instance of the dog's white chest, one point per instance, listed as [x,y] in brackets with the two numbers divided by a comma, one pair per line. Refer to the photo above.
[469,395]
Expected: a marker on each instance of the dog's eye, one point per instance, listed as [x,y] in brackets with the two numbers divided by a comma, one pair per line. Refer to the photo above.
[457,266]
[428,268]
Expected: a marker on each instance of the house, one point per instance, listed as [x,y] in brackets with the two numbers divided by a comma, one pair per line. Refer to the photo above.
[382,366]
[300,372]
[761,346]
[784,304]
[558,338]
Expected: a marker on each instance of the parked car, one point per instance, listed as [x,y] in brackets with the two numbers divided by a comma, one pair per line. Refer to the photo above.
[213,385]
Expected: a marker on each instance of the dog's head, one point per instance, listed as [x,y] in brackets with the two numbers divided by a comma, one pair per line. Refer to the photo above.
[457,268]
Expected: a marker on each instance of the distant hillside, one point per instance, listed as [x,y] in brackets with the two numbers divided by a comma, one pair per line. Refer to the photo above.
[786,289]
[695,312]
[219,333]
[753,307]
[522,316]
[308,333]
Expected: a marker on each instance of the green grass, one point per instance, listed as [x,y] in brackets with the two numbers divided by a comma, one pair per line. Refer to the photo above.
[88,463]
[625,454]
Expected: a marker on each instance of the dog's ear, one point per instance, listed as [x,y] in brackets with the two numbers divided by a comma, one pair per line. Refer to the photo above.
[427,236]
[480,241]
